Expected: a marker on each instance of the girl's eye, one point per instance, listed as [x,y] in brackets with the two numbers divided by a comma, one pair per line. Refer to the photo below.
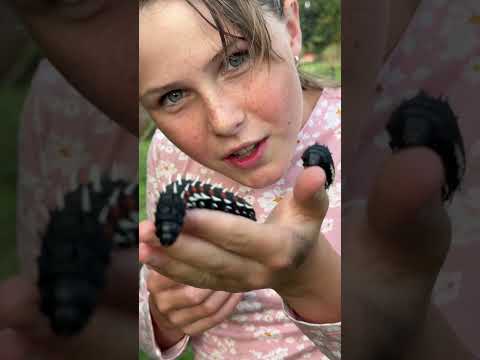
[172,98]
[235,61]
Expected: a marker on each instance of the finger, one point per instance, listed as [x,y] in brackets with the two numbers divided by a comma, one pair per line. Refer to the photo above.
[210,257]
[14,346]
[157,282]
[309,193]
[209,307]
[20,308]
[146,233]
[177,299]
[405,204]
[187,274]
[18,303]
[409,181]
[235,234]
[212,321]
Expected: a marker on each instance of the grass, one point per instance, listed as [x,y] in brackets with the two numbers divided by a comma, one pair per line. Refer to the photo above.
[11,101]
[324,70]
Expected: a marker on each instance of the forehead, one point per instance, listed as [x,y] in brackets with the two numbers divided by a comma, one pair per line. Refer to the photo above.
[174,37]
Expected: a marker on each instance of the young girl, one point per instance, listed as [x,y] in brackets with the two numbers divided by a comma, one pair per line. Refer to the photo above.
[220,80]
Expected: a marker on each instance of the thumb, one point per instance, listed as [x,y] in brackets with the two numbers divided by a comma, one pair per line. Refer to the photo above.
[405,204]
[19,307]
[309,193]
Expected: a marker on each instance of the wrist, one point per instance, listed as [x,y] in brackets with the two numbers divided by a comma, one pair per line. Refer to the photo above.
[316,293]
[313,310]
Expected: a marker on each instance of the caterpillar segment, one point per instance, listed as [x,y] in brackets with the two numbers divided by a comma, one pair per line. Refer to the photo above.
[88,223]
[320,155]
[186,194]
[430,122]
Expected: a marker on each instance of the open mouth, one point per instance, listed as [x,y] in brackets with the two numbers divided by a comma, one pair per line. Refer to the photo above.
[245,152]
[248,156]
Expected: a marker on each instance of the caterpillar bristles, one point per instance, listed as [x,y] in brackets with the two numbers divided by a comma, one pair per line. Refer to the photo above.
[76,248]
[190,194]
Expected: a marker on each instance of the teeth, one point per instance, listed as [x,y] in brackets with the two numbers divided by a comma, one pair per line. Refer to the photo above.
[245,151]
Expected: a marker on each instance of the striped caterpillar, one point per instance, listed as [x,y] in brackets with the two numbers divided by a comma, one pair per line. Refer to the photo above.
[184,194]
[431,122]
[87,225]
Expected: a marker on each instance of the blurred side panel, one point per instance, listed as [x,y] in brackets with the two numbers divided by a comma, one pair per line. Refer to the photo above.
[409,259]
[69,248]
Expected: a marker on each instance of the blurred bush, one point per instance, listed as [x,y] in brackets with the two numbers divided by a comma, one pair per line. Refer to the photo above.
[321,24]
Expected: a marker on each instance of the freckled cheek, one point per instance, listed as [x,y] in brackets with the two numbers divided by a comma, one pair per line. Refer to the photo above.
[271,102]
[192,142]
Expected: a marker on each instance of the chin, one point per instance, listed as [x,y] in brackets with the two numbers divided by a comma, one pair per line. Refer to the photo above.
[261,179]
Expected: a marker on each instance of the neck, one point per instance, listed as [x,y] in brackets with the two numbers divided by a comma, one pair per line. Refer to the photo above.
[310,99]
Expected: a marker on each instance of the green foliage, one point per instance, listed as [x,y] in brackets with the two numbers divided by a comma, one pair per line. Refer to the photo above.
[321,24]
[324,70]
[11,101]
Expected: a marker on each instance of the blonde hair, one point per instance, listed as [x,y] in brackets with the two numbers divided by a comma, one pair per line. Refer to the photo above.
[247,17]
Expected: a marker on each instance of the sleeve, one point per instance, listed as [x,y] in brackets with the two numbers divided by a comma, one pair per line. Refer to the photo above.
[327,337]
[146,333]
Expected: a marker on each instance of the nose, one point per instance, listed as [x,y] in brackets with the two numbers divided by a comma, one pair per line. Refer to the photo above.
[225,116]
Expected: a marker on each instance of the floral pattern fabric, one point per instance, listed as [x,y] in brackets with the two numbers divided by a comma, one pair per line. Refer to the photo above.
[63,140]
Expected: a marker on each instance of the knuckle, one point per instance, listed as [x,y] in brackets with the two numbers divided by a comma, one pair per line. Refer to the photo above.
[174,319]
[163,306]
[208,309]
[193,296]
[146,231]
[280,262]
[177,320]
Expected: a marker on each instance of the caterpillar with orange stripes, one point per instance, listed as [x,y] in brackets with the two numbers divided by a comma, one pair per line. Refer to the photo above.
[184,194]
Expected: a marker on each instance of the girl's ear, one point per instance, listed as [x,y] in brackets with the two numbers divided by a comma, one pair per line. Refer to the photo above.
[292,21]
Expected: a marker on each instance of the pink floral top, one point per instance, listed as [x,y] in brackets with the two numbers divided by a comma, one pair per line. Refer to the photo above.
[63,139]
[440,53]
[261,326]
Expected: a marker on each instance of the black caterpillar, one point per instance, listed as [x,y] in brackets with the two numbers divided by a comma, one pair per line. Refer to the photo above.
[431,122]
[320,155]
[186,194]
[76,247]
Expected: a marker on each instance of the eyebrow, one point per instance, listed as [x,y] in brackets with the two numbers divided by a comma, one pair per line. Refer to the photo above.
[175,85]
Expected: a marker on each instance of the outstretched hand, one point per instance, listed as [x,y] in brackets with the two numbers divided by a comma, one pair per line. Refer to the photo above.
[230,253]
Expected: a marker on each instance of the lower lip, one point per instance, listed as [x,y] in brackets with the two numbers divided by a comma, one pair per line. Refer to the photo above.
[252,160]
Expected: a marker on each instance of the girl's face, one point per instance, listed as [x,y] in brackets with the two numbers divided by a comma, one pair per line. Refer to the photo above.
[212,108]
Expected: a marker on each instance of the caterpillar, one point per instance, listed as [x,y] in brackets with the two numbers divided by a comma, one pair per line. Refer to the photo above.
[88,223]
[427,121]
[320,155]
[184,194]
